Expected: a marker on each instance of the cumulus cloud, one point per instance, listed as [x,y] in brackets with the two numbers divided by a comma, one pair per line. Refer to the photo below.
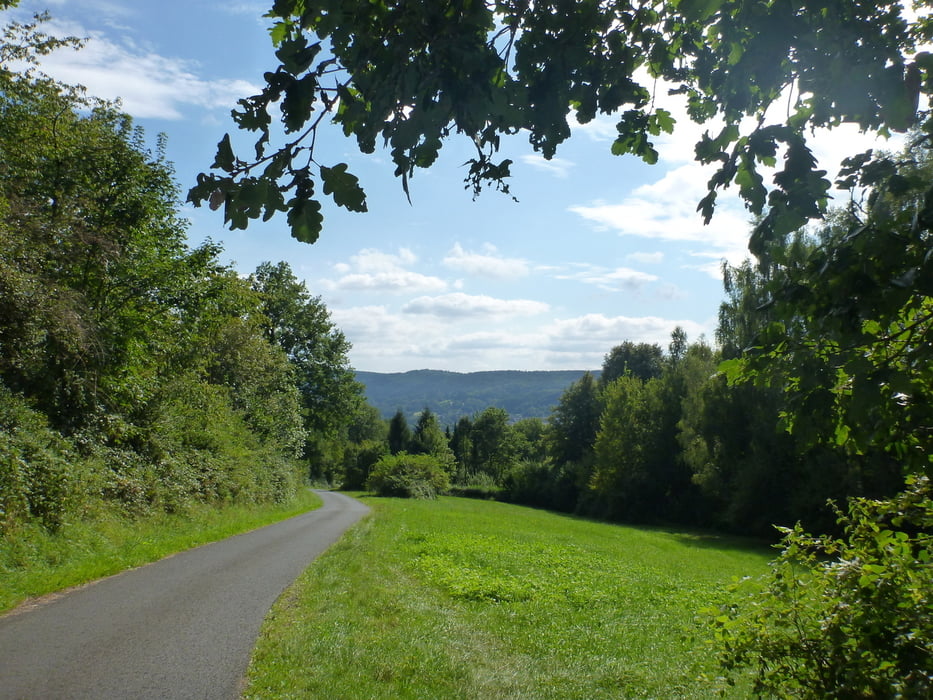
[390,341]
[610,280]
[487,263]
[147,84]
[377,271]
[599,331]
[459,305]
[666,210]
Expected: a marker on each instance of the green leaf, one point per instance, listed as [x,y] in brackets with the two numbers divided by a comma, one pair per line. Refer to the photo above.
[225,160]
[733,370]
[298,102]
[278,32]
[295,54]
[305,219]
[699,10]
[344,187]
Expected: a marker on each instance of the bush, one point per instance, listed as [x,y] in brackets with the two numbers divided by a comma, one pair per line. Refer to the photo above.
[480,485]
[408,476]
[37,470]
[542,484]
[842,618]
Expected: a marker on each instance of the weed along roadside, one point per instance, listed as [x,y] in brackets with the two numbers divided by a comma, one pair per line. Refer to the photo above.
[459,598]
[36,562]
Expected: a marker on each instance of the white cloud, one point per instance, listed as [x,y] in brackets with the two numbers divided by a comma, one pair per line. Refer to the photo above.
[458,305]
[558,167]
[486,264]
[600,128]
[388,341]
[666,210]
[376,271]
[610,280]
[597,331]
[254,8]
[646,258]
[147,84]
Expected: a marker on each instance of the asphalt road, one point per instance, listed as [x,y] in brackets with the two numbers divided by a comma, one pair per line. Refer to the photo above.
[183,627]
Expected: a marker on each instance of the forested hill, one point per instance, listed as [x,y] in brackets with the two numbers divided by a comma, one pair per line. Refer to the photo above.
[451,395]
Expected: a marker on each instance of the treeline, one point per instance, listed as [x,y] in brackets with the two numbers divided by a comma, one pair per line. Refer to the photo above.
[668,435]
[660,437]
[138,373]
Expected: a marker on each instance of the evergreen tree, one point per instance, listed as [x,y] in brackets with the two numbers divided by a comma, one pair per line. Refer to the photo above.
[399,433]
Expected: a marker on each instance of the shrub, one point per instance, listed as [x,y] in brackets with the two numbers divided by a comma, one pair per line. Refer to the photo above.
[481,485]
[36,472]
[408,476]
[542,484]
[842,618]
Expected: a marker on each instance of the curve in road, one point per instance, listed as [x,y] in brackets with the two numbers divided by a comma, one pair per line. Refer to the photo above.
[183,627]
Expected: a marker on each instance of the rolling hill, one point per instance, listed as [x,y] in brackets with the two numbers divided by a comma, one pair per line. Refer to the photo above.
[451,395]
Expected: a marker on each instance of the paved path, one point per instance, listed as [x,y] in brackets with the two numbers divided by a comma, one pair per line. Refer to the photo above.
[183,627]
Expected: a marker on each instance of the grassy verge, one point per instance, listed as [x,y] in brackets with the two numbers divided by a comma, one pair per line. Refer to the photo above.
[34,562]
[459,598]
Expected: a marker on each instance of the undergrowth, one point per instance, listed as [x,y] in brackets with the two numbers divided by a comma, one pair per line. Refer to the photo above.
[35,561]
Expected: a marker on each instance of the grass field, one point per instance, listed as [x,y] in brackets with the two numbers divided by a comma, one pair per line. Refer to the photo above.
[458,598]
[34,562]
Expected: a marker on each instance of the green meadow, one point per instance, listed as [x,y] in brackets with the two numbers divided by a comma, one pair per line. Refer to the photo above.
[458,598]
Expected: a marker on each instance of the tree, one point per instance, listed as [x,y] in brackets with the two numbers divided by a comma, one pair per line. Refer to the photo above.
[367,424]
[140,355]
[678,345]
[624,481]
[531,437]
[486,70]
[399,433]
[495,450]
[571,436]
[461,443]
[429,439]
[300,324]
[642,360]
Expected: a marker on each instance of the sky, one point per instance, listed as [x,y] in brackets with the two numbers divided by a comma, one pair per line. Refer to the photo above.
[598,249]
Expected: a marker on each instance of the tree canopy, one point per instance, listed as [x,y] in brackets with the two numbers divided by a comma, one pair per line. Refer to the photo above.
[761,75]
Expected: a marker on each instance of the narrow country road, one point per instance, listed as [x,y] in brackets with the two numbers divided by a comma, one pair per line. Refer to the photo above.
[182,627]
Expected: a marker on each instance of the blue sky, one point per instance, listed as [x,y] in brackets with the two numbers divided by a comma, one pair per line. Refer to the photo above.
[598,250]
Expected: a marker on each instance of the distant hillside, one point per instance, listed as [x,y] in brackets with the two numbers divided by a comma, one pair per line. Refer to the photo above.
[453,394]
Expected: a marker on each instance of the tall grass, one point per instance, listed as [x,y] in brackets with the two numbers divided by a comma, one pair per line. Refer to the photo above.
[459,598]
[34,561]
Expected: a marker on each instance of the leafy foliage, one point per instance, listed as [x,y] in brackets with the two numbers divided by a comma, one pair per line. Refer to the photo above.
[408,476]
[137,374]
[300,324]
[842,617]
[414,79]
[642,360]
[39,471]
